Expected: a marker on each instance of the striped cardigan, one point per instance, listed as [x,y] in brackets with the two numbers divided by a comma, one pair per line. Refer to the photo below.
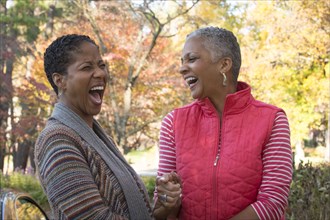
[76,180]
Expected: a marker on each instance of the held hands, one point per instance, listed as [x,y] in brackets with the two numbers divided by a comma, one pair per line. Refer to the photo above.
[169,190]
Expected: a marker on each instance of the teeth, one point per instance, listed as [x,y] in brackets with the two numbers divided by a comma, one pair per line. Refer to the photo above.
[190,79]
[97,88]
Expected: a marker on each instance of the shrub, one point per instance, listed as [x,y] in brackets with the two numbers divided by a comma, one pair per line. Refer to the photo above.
[26,183]
[309,197]
[149,182]
[310,193]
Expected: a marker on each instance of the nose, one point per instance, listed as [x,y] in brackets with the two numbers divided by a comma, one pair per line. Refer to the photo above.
[183,69]
[101,73]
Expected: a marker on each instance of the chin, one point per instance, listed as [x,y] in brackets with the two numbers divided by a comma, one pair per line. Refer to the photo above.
[95,111]
[196,95]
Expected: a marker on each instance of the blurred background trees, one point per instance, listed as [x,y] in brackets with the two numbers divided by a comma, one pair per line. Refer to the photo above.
[285,47]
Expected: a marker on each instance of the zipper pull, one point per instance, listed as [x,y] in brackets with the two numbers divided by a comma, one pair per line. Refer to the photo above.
[216,160]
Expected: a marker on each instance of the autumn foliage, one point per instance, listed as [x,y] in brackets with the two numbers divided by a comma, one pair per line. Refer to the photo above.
[285,49]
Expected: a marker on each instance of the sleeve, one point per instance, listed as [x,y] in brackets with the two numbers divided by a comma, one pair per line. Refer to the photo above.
[68,182]
[167,155]
[273,193]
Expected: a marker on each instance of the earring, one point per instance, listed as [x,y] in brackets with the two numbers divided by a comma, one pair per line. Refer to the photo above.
[224,83]
[60,92]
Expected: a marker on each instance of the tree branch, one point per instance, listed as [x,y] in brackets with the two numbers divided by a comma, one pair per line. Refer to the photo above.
[145,124]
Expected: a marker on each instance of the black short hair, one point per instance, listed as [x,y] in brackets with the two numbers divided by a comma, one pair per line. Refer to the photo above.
[59,55]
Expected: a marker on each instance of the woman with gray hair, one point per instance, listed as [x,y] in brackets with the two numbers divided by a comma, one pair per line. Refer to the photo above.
[226,155]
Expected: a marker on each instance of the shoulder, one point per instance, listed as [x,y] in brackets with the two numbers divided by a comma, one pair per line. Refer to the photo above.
[190,105]
[261,104]
[54,133]
[170,116]
[184,109]
[56,128]
[281,119]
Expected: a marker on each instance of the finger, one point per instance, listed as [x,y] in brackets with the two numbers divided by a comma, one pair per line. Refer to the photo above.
[173,192]
[175,177]
[169,202]
[163,179]
[168,187]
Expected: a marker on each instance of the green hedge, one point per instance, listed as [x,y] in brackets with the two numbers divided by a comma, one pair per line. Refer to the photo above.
[26,183]
[149,182]
[310,193]
[309,196]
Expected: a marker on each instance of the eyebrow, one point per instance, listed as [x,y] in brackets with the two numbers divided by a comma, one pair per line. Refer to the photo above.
[185,56]
[188,55]
[91,62]
[84,62]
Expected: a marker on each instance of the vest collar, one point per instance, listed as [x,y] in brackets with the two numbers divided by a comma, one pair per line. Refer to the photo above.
[234,103]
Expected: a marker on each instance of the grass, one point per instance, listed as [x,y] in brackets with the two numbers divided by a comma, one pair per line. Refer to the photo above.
[143,159]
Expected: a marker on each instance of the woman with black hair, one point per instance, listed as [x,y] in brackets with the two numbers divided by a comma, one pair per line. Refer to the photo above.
[80,168]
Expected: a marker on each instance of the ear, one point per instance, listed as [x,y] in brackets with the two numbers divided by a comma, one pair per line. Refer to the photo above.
[225,64]
[58,79]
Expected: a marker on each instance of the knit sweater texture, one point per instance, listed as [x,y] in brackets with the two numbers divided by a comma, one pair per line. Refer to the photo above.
[78,181]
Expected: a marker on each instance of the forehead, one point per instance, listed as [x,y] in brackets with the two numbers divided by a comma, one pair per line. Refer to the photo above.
[193,45]
[86,50]
[87,47]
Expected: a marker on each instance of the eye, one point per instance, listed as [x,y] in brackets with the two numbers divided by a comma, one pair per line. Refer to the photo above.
[192,59]
[85,68]
[102,65]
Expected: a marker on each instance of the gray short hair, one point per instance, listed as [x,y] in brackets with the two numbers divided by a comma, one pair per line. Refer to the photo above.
[220,43]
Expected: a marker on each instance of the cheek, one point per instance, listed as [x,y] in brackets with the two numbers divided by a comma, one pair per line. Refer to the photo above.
[211,79]
[76,89]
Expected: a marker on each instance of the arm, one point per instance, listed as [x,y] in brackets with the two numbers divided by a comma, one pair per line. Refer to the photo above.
[247,214]
[167,164]
[67,180]
[277,175]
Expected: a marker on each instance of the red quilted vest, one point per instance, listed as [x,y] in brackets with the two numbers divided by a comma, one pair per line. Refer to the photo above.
[221,191]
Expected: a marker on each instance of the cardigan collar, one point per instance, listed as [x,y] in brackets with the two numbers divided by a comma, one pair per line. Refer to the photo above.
[105,147]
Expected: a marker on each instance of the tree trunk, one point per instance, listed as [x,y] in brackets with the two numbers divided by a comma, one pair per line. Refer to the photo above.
[327,141]
[21,155]
[122,114]
[6,89]
[299,153]
[31,155]
[50,22]
[2,152]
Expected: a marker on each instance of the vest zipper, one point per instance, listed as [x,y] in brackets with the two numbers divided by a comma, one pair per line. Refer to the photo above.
[217,157]
[218,152]
[214,184]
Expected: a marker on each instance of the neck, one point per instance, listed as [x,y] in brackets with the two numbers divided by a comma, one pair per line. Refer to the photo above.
[219,100]
[87,118]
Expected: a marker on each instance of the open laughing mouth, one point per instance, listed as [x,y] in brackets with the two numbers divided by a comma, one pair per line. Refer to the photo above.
[191,81]
[96,94]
